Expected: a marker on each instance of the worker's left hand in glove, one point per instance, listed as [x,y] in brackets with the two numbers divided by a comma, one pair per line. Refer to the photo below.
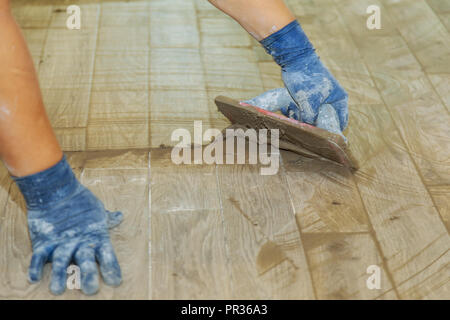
[68,223]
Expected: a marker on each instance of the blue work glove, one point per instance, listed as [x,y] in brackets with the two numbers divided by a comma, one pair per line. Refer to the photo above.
[68,223]
[307,80]
[279,100]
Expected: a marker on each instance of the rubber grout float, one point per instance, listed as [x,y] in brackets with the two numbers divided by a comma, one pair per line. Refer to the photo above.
[295,136]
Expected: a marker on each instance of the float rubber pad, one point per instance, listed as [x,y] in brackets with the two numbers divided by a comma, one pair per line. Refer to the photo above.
[295,136]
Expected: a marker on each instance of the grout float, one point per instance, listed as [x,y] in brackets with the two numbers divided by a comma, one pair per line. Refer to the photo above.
[258,141]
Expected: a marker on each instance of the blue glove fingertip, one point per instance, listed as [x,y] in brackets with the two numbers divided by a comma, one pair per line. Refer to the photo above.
[114,218]
[109,266]
[37,263]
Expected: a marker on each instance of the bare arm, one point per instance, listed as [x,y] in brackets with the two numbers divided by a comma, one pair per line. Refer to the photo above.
[260,18]
[27,141]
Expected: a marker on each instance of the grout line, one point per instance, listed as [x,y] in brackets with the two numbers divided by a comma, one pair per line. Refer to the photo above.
[227,248]
[219,189]
[369,221]
[44,42]
[149,234]
[94,60]
[202,61]
[149,79]
[373,235]
[301,235]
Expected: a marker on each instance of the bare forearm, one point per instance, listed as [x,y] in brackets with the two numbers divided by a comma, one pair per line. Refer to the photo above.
[27,142]
[260,18]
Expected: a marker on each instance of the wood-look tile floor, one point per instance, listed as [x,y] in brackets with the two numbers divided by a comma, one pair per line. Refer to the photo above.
[116,89]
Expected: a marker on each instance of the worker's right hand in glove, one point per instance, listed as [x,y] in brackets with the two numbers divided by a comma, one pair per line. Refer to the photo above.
[311,94]
[279,100]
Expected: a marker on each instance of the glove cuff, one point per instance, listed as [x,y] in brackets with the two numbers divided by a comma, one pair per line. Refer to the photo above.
[48,186]
[288,44]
